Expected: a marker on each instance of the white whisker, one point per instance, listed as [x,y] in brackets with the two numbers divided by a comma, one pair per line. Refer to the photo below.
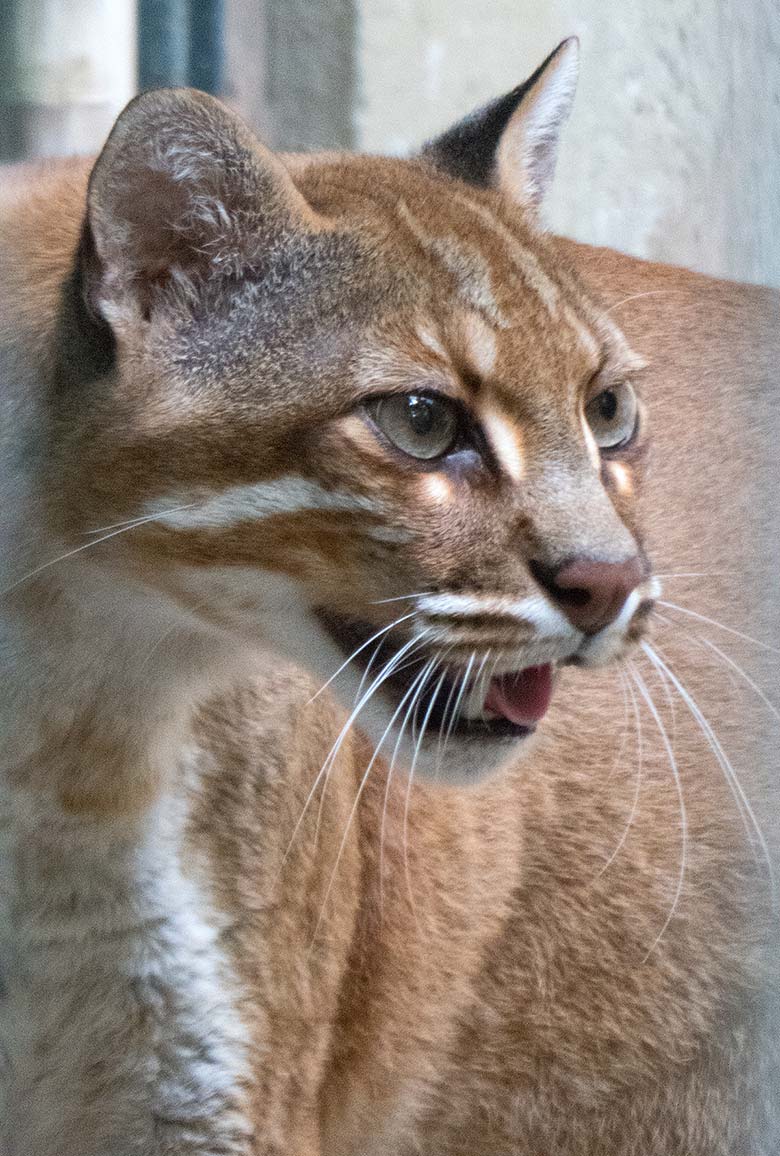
[642,688]
[141,518]
[719,626]
[696,574]
[392,765]
[407,800]
[740,798]
[638,781]
[401,598]
[738,670]
[412,690]
[637,296]
[324,770]
[70,553]
[356,652]
[442,747]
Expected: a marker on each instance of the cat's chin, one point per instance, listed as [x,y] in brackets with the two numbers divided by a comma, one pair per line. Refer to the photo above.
[468,755]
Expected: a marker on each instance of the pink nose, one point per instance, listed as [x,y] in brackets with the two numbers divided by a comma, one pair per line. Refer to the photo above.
[590,593]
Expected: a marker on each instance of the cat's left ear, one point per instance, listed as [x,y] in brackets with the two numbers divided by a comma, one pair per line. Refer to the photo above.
[182,195]
[512,143]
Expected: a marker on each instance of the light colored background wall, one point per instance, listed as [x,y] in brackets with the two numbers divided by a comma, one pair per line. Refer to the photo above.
[66,68]
[673,151]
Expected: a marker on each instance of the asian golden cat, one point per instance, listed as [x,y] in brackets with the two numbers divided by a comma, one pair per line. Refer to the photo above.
[360,793]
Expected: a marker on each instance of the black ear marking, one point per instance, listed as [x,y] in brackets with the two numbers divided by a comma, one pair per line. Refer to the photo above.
[512,141]
[467,151]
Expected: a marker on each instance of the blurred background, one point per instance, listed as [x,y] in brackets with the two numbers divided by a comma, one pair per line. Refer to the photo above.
[673,152]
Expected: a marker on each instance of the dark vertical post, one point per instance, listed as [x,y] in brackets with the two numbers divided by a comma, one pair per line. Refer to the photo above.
[163,43]
[206,45]
[11,118]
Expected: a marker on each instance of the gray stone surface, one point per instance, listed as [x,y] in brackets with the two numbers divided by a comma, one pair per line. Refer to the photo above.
[673,151]
[310,72]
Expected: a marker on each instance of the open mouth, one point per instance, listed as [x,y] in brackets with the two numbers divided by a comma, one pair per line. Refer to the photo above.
[445,698]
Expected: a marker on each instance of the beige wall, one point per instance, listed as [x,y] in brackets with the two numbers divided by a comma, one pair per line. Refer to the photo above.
[673,151]
[68,68]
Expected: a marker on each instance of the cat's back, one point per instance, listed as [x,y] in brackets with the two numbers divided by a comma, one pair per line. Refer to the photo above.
[41,210]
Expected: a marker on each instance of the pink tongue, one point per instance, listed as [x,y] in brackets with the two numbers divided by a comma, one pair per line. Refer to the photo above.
[522,696]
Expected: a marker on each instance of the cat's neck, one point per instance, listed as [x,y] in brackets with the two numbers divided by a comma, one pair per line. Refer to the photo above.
[101,680]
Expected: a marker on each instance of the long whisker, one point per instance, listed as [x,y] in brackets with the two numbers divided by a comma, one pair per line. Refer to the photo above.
[719,626]
[407,800]
[740,798]
[696,574]
[738,670]
[626,688]
[742,674]
[444,716]
[412,690]
[391,768]
[141,518]
[642,688]
[442,749]
[637,296]
[76,550]
[638,781]
[401,598]
[356,652]
[324,771]
[394,667]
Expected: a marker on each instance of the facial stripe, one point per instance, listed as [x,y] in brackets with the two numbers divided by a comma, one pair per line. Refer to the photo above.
[479,345]
[505,442]
[466,266]
[250,503]
[594,453]
[586,338]
[533,611]
[436,488]
[431,343]
[524,261]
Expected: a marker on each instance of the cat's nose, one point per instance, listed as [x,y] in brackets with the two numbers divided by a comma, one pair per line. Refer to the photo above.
[590,593]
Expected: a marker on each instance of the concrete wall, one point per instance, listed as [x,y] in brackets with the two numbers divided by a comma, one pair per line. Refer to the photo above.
[673,151]
[291,70]
[66,69]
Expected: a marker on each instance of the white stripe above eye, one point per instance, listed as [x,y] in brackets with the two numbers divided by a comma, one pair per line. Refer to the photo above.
[505,442]
[250,503]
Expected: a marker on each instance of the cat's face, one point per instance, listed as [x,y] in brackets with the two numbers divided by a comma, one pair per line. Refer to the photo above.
[383,421]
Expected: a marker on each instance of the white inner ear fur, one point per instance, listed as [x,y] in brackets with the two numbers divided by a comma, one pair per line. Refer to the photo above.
[528,150]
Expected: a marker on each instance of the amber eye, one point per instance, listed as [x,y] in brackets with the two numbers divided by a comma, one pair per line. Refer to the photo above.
[612,416]
[421,425]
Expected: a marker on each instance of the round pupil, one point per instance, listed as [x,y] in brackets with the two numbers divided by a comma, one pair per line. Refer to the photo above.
[608,405]
[422,416]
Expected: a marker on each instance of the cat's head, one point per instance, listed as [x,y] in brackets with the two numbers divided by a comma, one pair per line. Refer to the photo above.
[358,405]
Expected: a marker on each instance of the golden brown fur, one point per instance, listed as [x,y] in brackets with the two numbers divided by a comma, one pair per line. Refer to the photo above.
[506,968]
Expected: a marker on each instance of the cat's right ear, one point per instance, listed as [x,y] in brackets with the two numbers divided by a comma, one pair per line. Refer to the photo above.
[181,194]
[512,143]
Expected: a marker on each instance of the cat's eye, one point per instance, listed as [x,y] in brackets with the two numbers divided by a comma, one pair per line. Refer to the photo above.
[613,415]
[422,425]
